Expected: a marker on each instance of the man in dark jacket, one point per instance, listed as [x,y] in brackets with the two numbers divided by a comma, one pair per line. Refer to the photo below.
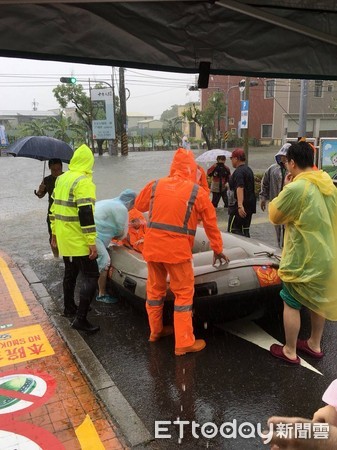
[47,187]
[220,173]
[242,201]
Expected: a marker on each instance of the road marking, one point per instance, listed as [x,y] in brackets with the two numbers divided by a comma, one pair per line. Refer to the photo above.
[15,293]
[260,220]
[248,330]
[87,435]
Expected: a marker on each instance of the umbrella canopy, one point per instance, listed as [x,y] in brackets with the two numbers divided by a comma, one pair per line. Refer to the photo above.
[42,148]
[211,155]
[262,38]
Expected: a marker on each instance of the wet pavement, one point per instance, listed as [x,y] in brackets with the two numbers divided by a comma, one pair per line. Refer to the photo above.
[45,400]
[233,379]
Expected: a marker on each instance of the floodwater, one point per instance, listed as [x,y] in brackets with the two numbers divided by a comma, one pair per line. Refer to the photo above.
[233,380]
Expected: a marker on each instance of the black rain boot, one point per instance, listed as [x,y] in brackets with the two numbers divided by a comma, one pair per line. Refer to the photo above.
[70,311]
[81,323]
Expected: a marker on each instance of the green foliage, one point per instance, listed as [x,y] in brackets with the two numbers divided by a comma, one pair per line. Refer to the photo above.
[74,94]
[172,130]
[66,129]
[36,127]
[169,114]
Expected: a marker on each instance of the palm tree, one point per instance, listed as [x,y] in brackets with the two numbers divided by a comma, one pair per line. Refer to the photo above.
[36,127]
[172,128]
[65,129]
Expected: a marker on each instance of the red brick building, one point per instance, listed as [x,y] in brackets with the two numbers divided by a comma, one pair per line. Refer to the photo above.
[261,105]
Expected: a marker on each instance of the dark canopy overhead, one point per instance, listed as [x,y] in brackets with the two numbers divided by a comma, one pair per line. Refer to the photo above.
[283,38]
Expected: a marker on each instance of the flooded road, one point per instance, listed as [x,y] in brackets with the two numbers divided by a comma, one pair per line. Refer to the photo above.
[234,380]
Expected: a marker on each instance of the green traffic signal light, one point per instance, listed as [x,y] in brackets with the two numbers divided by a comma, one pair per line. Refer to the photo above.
[68,80]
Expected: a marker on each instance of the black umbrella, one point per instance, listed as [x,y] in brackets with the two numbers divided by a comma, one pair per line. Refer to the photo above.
[43,148]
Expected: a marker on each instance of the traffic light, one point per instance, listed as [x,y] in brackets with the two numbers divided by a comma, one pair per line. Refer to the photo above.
[68,80]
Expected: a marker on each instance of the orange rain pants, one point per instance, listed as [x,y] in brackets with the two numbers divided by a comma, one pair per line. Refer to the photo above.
[182,286]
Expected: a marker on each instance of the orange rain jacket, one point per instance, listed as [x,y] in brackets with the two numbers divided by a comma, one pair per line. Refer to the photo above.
[202,179]
[174,204]
[136,234]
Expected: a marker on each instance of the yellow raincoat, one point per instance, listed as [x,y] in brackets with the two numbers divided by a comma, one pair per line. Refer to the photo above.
[308,208]
[73,189]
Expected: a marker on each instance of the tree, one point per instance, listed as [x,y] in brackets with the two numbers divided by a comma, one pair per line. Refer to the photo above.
[169,114]
[208,118]
[172,128]
[74,93]
[36,127]
[66,129]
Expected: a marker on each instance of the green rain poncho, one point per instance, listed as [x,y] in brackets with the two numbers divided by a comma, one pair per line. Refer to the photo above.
[308,268]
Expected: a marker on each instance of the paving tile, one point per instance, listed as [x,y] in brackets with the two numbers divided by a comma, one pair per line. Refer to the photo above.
[73,397]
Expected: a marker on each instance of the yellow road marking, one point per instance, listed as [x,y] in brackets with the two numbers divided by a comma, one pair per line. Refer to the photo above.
[87,435]
[18,300]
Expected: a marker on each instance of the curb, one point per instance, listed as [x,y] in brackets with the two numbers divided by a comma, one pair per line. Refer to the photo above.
[131,426]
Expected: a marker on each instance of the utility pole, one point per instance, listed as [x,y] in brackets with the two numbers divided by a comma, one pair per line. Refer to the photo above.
[302,126]
[122,99]
[218,106]
[91,118]
[245,130]
[113,150]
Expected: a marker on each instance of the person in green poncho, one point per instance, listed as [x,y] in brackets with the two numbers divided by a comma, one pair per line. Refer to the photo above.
[307,206]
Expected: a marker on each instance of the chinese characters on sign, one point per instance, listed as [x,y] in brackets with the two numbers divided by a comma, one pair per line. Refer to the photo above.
[103,124]
[23,344]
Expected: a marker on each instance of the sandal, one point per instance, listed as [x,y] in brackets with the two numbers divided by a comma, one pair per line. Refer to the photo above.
[303,346]
[277,351]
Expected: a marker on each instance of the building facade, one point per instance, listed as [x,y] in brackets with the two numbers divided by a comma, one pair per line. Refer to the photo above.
[274,108]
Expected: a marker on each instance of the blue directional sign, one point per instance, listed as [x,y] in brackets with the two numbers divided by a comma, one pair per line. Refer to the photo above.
[244,105]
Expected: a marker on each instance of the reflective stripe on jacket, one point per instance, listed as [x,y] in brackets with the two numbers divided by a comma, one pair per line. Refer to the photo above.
[174,205]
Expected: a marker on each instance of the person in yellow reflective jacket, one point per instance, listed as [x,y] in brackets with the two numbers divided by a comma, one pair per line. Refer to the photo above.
[74,233]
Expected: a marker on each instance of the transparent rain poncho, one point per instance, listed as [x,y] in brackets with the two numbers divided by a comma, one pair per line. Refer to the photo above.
[308,208]
[111,216]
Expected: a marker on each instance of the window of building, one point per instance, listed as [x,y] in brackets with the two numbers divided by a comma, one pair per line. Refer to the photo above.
[193,129]
[266,131]
[233,131]
[330,88]
[318,90]
[231,121]
[270,88]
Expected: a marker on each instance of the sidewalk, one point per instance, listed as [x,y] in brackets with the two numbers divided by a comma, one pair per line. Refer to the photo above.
[45,400]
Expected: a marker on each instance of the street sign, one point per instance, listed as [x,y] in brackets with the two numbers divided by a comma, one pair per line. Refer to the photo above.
[226,135]
[244,113]
[103,123]
[244,105]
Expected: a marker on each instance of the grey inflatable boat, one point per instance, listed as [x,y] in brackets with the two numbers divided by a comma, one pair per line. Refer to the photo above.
[237,289]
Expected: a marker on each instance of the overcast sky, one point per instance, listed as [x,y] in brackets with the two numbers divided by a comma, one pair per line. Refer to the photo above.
[23,82]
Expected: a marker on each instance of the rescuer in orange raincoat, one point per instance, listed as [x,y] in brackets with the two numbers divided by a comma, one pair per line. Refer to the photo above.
[174,204]
[136,231]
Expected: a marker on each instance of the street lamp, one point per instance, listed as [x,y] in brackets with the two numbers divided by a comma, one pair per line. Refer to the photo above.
[241,86]
[226,114]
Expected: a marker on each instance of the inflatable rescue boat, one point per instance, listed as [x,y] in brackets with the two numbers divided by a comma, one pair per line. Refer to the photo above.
[222,292]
